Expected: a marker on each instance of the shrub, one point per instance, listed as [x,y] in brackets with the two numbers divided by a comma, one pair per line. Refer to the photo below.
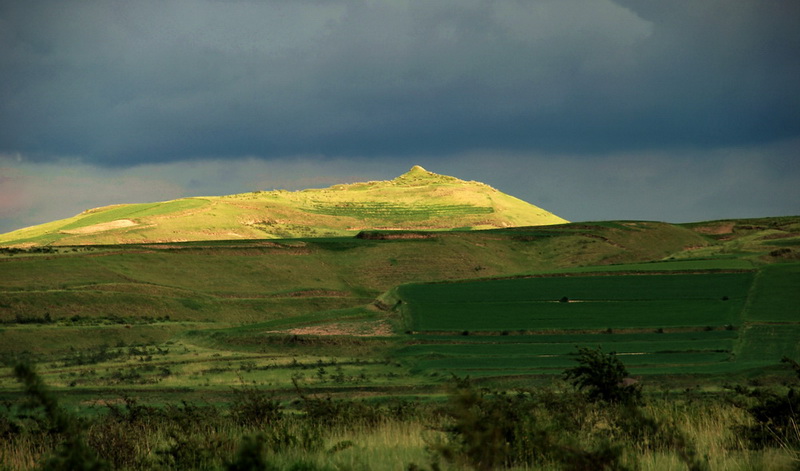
[488,432]
[255,408]
[250,456]
[603,377]
[72,453]
[330,413]
[776,415]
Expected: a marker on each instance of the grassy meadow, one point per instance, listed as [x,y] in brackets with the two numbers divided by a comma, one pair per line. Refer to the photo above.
[383,351]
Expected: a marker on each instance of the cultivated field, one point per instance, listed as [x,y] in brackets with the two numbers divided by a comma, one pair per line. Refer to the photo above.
[662,324]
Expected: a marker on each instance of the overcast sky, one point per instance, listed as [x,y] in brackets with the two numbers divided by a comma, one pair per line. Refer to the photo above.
[678,110]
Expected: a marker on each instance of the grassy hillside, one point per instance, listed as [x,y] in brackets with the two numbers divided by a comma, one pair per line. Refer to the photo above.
[416,200]
[189,330]
[386,312]
[253,281]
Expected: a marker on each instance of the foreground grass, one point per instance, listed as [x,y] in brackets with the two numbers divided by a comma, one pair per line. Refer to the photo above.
[545,429]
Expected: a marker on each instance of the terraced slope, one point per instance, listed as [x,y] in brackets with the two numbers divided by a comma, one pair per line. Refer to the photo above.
[417,200]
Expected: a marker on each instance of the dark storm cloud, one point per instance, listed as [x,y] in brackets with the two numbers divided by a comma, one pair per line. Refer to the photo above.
[118,82]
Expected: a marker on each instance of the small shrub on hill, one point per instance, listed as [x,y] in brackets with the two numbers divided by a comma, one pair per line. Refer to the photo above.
[255,408]
[603,377]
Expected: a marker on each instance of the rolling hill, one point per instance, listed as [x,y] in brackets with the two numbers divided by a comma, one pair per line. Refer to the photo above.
[416,200]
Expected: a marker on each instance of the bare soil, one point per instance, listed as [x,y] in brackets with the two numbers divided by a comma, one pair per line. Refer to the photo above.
[365,329]
[103,226]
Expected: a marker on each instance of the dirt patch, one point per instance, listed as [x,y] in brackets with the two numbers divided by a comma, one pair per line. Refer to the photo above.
[363,329]
[694,247]
[24,246]
[785,235]
[716,229]
[313,293]
[103,226]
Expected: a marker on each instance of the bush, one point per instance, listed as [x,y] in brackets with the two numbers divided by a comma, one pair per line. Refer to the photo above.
[489,430]
[250,456]
[603,377]
[331,413]
[72,453]
[776,415]
[255,408]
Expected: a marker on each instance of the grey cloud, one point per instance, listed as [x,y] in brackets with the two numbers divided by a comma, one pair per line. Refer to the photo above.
[678,186]
[127,82]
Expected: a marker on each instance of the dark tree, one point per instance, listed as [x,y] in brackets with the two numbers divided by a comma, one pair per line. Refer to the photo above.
[603,377]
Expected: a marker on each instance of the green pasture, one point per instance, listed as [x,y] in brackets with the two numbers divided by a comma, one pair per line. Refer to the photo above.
[772,316]
[672,265]
[396,212]
[132,307]
[684,323]
[594,302]
[575,315]
[585,288]
[683,363]
[178,367]
[47,341]
[715,341]
[761,344]
[776,295]
[509,355]
[133,211]
[52,232]
[608,341]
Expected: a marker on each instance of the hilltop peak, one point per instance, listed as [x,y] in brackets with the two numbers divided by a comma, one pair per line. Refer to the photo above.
[417,200]
[419,176]
[417,172]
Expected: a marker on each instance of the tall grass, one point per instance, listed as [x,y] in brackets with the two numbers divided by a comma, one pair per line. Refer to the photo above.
[548,430]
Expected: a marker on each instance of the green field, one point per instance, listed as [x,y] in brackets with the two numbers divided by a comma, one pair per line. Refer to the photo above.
[398,213]
[591,302]
[552,353]
[135,211]
[662,323]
